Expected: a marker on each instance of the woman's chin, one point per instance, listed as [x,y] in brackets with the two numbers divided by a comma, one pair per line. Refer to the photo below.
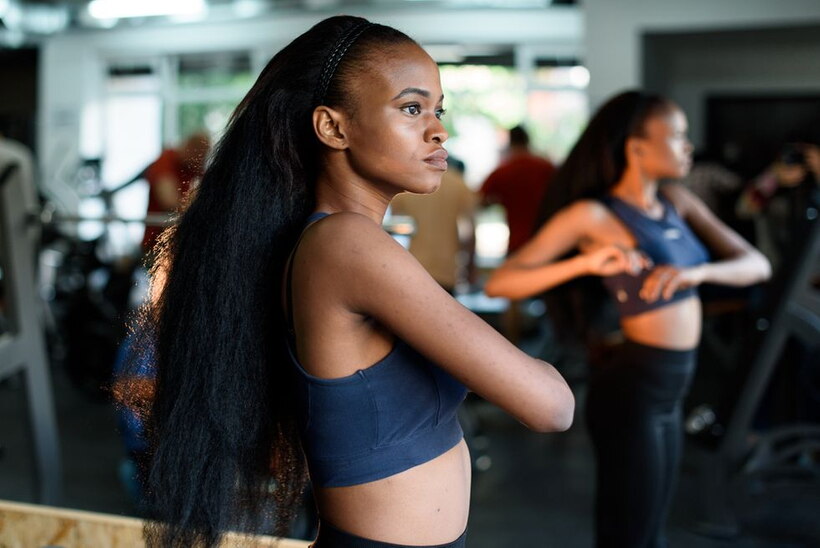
[428,188]
[680,172]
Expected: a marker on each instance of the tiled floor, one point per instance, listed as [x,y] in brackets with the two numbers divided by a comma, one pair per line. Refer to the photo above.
[536,493]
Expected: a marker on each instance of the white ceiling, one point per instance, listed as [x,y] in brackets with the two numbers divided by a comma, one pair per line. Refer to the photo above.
[29,21]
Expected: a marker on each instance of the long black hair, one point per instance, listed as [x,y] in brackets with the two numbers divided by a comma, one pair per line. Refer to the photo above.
[594,165]
[219,415]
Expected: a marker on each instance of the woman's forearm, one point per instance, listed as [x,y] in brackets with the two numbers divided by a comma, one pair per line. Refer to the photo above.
[747,269]
[516,281]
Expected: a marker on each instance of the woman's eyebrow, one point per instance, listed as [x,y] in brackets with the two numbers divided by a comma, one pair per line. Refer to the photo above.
[414,91]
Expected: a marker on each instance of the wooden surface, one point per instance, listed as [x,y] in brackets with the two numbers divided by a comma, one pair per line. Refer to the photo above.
[34,526]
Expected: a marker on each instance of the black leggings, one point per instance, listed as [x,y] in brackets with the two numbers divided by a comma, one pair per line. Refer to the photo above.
[331,537]
[634,418]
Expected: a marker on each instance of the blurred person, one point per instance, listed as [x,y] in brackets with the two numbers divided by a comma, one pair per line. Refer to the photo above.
[798,163]
[444,227]
[777,198]
[652,246]
[294,335]
[170,178]
[518,184]
[711,181]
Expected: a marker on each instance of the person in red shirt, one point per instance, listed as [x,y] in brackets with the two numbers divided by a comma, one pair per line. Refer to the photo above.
[519,184]
[170,178]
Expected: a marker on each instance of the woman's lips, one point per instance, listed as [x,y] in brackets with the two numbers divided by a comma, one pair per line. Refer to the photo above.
[438,159]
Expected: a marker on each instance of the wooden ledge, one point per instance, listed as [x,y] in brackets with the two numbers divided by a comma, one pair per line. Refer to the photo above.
[34,526]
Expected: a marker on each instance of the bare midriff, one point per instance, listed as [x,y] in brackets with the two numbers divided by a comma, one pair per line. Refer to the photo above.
[675,326]
[424,505]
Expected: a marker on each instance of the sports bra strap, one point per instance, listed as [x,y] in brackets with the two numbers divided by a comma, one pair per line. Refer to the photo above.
[289,275]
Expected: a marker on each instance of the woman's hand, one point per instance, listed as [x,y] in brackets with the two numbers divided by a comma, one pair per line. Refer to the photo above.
[612,259]
[666,279]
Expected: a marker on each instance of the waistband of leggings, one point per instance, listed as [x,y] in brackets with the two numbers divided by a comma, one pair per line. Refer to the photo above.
[654,354]
[333,537]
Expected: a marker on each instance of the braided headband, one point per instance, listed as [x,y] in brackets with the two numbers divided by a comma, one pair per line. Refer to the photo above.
[335,57]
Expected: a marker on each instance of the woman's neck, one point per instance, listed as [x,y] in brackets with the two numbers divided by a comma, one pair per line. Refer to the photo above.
[337,192]
[637,190]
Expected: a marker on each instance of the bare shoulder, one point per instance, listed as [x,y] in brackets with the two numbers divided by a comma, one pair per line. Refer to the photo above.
[681,197]
[348,240]
[588,209]
[346,225]
[580,220]
[586,214]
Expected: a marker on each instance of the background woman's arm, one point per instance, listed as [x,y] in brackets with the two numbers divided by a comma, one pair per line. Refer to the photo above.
[738,262]
[534,268]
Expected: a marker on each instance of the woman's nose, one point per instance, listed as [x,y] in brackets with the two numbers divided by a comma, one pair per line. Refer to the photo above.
[437,132]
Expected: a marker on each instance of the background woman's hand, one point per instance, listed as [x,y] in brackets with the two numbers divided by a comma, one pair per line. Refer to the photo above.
[612,259]
[812,155]
[665,280]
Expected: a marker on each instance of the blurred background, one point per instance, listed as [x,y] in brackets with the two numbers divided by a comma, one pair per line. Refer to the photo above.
[98,98]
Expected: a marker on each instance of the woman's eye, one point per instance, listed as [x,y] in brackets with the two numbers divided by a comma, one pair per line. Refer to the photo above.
[412,109]
[440,112]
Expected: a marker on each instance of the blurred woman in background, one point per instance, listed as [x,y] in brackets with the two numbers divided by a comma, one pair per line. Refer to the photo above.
[652,245]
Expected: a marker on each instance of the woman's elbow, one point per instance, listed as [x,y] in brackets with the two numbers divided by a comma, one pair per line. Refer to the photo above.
[762,267]
[559,415]
[564,417]
[765,268]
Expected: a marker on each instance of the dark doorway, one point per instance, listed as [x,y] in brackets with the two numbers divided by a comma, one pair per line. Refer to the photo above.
[749,132]
[18,94]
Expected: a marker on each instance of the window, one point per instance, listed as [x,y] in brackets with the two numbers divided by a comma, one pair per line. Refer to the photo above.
[483,101]
[153,103]
[207,87]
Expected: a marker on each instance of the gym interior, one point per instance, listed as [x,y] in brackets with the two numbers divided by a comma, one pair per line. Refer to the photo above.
[91,96]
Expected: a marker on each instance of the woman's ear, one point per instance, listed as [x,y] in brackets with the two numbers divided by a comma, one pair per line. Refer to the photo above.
[328,126]
[634,147]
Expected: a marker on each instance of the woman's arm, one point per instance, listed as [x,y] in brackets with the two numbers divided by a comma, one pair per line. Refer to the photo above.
[739,264]
[533,269]
[377,278]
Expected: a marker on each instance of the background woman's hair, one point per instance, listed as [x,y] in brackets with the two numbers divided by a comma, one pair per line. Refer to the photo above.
[220,417]
[594,165]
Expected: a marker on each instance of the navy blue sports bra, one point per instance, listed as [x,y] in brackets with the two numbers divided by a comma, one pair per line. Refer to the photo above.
[398,413]
[667,240]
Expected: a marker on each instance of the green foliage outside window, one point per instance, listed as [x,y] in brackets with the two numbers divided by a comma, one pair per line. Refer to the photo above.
[554,118]
[211,116]
[494,92]
[212,70]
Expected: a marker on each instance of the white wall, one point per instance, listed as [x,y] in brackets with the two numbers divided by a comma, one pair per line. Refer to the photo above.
[72,66]
[613,30]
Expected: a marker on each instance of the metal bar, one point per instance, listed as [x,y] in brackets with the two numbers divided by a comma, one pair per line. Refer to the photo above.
[763,366]
[153,219]
[27,348]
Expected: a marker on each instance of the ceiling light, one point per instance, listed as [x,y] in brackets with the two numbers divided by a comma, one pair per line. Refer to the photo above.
[120,9]
[11,13]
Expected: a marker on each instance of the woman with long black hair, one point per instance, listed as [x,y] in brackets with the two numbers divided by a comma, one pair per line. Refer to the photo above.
[652,246]
[285,320]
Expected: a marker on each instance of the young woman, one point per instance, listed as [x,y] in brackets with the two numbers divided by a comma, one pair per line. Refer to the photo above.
[652,246]
[288,320]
